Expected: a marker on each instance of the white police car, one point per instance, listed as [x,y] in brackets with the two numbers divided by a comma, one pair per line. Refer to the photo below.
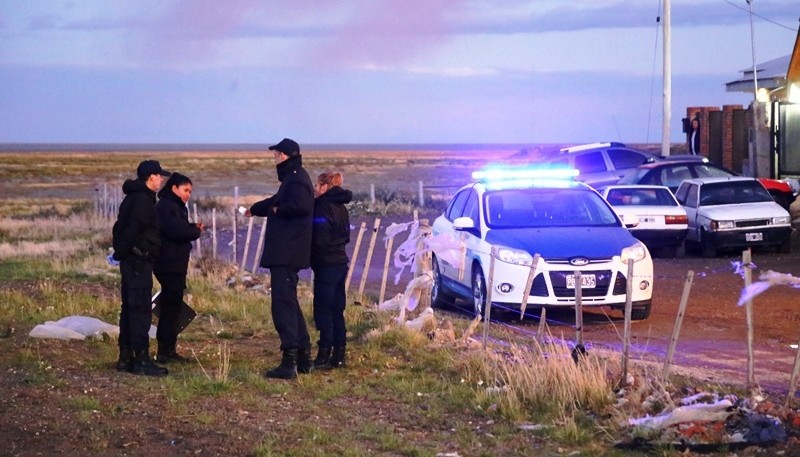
[517,214]
[733,212]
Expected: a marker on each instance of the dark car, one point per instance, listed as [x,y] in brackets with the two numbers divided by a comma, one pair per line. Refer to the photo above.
[600,164]
[671,172]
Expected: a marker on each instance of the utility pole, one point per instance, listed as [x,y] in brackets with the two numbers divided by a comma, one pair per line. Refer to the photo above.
[754,162]
[665,124]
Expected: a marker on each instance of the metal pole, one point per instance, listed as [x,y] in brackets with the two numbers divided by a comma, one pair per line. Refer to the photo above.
[753,159]
[667,113]
[214,233]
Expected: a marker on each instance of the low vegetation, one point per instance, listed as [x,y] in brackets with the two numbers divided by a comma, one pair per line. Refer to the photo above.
[404,392]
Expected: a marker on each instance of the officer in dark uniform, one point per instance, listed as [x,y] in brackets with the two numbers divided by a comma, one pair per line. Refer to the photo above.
[137,242]
[287,250]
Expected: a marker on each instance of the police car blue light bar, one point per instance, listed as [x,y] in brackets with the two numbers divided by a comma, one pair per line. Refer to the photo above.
[494,174]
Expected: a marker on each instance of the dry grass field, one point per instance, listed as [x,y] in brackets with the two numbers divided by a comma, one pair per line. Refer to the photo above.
[403,393]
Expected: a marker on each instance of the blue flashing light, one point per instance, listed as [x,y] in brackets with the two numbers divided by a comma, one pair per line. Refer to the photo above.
[530,183]
[497,174]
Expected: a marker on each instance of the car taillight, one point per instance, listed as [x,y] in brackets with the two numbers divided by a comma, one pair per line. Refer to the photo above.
[676,220]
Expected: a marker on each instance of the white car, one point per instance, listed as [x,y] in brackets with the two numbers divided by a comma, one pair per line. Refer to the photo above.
[733,212]
[662,220]
[567,223]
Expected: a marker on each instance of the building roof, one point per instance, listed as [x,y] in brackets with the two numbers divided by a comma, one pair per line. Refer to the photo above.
[771,75]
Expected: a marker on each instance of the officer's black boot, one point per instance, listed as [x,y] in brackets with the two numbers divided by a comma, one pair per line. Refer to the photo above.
[288,367]
[143,365]
[338,357]
[304,363]
[323,360]
[167,353]
[125,361]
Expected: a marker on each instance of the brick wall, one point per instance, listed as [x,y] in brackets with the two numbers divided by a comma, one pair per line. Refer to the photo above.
[727,130]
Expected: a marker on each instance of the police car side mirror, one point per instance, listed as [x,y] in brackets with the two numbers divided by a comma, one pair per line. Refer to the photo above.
[630,220]
[464,223]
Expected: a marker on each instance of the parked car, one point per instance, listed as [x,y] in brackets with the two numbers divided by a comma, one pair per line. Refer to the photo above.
[600,164]
[662,220]
[733,212]
[567,223]
[671,172]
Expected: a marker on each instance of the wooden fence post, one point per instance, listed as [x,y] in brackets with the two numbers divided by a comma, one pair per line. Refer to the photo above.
[626,333]
[246,244]
[259,246]
[748,307]
[578,311]
[528,284]
[421,196]
[368,260]
[389,243]
[676,330]
[542,323]
[355,255]
[487,309]
[795,375]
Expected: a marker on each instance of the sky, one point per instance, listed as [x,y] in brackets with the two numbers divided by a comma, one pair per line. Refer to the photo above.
[371,71]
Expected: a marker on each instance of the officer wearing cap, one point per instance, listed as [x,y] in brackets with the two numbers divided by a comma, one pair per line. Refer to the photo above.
[137,242]
[287,250]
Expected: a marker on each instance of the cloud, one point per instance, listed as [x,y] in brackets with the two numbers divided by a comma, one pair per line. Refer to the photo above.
[388,31]
[505,17]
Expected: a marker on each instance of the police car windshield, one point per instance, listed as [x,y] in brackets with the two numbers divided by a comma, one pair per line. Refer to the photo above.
[524,208]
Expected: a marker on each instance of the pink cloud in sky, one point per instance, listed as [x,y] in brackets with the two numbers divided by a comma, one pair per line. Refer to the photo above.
[384,32]
[188,29]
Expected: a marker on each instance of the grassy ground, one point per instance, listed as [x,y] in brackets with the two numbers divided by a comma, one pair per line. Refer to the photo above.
[404,393]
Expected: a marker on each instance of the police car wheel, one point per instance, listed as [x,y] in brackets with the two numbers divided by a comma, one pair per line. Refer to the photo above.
[478,291]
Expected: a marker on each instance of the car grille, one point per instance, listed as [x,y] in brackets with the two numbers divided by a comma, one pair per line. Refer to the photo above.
[559,281]
[753,223]
[566,261]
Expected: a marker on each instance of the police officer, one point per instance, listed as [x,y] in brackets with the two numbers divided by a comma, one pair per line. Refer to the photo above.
[137,242]
[287,250]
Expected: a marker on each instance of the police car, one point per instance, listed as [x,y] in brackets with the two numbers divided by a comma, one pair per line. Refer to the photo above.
[507,217]
[733,212]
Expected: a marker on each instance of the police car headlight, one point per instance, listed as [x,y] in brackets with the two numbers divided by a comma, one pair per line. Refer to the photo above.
[636,252]
[783,220]
[722,225]
[514,256]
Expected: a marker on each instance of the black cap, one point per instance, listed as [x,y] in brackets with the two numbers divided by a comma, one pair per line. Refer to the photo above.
[287,146]
[150,167]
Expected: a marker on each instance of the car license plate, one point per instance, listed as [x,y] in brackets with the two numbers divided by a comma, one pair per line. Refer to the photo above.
[758,236]
[647,219]
[587,282]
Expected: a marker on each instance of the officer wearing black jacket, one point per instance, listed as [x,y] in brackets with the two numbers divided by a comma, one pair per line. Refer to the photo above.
[137,243]
[331,233]
[287,250]
[177,234]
